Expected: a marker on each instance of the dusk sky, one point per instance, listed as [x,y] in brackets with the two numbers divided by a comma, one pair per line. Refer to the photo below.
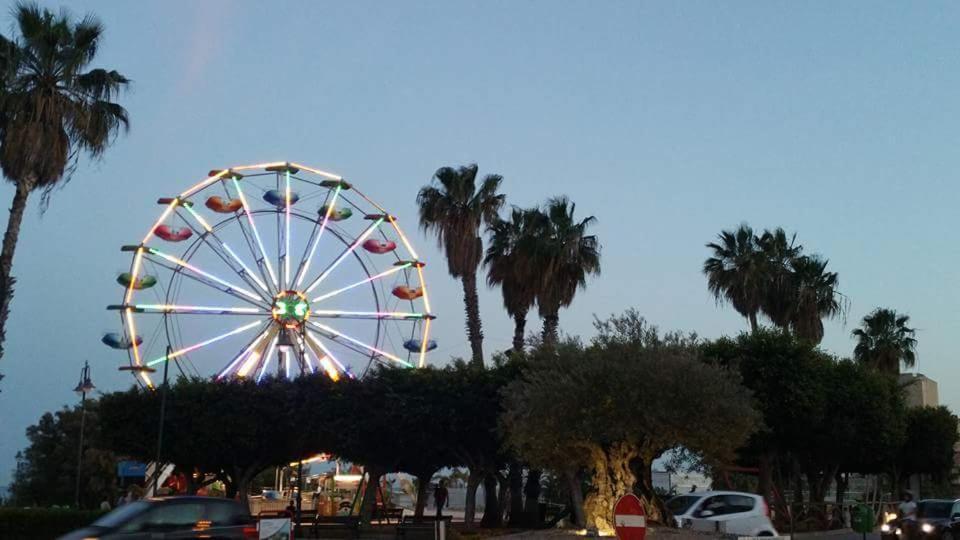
[668,121]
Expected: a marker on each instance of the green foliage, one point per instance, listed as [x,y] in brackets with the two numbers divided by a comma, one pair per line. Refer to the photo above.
[42,523]
[47,468]
[931,439]
[629,397]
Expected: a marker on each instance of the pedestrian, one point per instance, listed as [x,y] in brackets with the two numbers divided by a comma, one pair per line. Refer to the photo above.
[907,507]
[441,497]
[693,488]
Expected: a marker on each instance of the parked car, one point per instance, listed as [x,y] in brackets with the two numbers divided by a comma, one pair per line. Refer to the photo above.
[172,518]
[731,512]
[936,519]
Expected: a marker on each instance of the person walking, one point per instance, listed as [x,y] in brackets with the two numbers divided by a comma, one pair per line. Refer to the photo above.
[441,497]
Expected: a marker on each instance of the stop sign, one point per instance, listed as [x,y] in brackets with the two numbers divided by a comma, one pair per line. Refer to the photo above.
[629,518]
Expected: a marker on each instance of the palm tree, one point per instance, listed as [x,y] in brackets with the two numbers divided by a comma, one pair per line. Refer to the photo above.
[52,108]
[814,297]
[510,264]
[884,341]
[454,208]
[779,294]
[737,272]
[565,255]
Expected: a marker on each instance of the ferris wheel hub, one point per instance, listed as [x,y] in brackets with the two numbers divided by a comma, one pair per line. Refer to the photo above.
[291,309]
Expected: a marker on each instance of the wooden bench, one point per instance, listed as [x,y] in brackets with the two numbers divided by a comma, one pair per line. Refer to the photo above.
[424,524]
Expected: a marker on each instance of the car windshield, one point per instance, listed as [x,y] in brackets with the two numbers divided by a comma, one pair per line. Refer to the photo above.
[121,514]
[934,509]
[679,505]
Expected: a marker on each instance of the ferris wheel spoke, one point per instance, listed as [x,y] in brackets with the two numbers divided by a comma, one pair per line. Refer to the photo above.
[248,348]
[371,315]
[395,269]
[221,248]
[334,335]
[286,235]
[327,361]
[204,343]
[194,310]
[305,262]
[204,277]
[256,234]
[266,357]
[345,253]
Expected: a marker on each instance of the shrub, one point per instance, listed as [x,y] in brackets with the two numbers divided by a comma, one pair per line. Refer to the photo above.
[43,523]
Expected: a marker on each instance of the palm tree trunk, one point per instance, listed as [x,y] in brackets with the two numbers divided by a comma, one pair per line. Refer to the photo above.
[519,329]
[753,323]
[515,479]
[6,255]
[531,508]
[551,324]
[492,517]
[471,305]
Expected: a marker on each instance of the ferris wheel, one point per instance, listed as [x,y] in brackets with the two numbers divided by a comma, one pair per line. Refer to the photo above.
[274,269]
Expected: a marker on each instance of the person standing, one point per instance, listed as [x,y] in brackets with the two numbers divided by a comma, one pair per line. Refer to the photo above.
[907,507]
[442,497]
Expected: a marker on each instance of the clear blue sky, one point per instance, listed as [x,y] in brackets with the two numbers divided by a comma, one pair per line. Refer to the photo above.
[667,120]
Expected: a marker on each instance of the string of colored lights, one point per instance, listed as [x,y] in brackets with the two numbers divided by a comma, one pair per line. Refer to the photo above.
[370,348]
[204,343]
[180,262]
[302,272]
[361,282]
[256,233]
[246,269]
[345,254]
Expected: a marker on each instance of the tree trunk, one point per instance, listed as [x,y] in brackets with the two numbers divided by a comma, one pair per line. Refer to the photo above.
[6,255]
[472,306]
[576,498]
[243,487]
[531,507]
[515,479]
[519,330]
[551,325]
[753,323]
[765,480]
[470,505]
[423,492]
[613,477]
[491,506]
[369,502]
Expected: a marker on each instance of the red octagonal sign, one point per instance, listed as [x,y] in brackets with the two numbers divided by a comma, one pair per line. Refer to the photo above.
[629,518]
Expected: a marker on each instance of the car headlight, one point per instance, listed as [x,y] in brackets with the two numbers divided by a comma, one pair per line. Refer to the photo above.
[927,528]
[898,531]
[885,528]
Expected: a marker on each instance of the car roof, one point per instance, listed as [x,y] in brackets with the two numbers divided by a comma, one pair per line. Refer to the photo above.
[711,493]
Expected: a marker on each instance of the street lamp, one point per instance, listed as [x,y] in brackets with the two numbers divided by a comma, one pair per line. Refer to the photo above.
[84,387]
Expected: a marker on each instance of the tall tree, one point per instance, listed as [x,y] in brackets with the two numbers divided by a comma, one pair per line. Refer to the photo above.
[565,256]
[453,207]
[778,252]
[53,108]
[737,272]
[510,262]
[815,297]
[884,341]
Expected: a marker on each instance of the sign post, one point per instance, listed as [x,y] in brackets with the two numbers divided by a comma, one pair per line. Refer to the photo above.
[629,518]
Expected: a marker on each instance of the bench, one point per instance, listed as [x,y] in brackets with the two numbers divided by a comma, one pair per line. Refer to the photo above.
[387,514]
[413,524]
[318,524]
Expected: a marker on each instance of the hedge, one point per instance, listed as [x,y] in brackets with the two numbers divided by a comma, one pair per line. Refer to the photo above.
[43,523]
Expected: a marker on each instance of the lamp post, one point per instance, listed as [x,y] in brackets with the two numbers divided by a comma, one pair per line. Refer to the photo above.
[83,388]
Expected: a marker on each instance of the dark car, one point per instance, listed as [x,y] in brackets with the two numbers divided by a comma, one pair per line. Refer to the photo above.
[936,519]
[172,517]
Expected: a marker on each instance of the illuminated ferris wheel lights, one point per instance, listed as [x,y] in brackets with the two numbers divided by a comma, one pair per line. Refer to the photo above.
[194,269]
[373,226]
[370,348]
[246,350]
[361,282]
[196,346]
[313,248]
[256,234]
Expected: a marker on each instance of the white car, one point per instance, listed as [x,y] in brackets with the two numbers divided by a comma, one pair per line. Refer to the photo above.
[730,512]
